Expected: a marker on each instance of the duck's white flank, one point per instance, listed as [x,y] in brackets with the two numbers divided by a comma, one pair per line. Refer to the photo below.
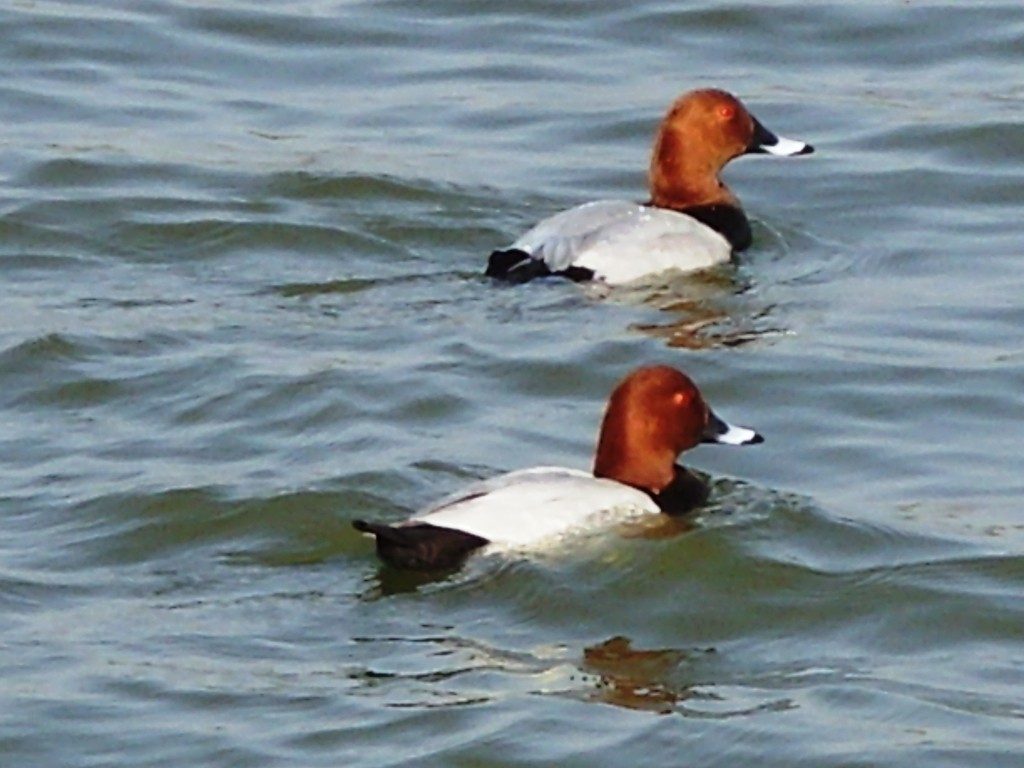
[622,241]
[531,505]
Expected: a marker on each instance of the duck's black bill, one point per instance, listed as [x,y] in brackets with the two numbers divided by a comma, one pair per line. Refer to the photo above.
[724,433]
[766,142]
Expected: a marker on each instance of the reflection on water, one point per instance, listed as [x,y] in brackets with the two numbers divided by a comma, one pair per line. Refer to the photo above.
[436,670]
[707,310]
[389,581]
[636,679]
[659,681]
[693,325]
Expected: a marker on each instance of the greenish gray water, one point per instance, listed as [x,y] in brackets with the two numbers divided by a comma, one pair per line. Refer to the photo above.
[240,250]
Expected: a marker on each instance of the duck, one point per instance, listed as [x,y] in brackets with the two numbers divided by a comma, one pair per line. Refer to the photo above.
[692,220]
[653,415]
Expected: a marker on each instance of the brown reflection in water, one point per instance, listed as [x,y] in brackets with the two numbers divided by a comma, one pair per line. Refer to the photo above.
[697,325]
[702,310]
[635,679]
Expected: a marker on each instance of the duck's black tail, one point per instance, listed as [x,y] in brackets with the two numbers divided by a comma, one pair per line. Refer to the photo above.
[421,546]
[517,266]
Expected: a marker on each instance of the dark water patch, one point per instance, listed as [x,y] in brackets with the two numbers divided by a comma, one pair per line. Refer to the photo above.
[79,394]
[379,190]
[301,290]
[19,594]
[139,373]
[207,526]
[306,528]
[44,244]
[220,239]
[991,146]
[132,528]
[68,174]
[260,27]
[56,347]
[133,304]
[700,22]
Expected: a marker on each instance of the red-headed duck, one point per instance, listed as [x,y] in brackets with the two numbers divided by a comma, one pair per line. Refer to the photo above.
[692,221]
[653,415]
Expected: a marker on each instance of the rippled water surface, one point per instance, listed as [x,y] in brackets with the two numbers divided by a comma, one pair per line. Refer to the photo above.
[241,247]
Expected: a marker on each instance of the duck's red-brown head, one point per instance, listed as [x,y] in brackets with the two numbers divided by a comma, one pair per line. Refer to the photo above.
[701,132]
[654,415]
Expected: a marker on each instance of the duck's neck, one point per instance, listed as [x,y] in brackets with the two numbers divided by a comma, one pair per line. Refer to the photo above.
[687,491]
[679,178]
[617,460]
[682,183]
[678,188]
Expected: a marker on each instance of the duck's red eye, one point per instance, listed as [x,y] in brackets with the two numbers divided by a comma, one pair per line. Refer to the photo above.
[727,111]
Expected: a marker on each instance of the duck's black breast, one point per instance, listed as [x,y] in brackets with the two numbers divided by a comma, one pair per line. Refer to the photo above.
[685,493]
[727,220]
